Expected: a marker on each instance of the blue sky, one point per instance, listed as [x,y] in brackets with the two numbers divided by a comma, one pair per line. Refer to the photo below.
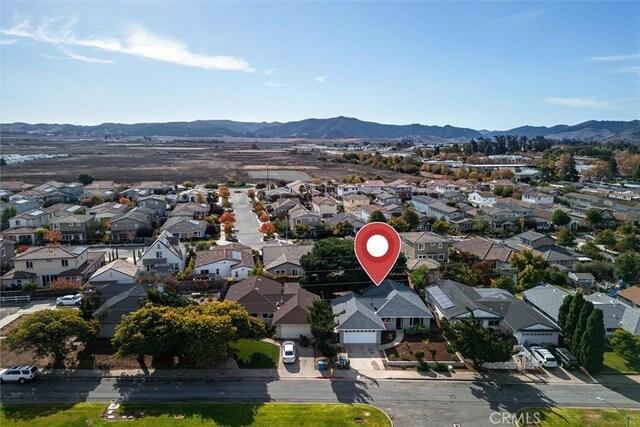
[493,65]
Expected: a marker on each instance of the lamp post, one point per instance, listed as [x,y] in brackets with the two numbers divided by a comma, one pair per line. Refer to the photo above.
[628,417]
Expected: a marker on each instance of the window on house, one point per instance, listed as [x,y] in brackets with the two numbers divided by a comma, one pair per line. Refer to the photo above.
[440,245]
[236,273]
[29,264]
[159,254]
[65,263]
[493,322]
[294,271]
[17,222]
[204,272]
[421,246]
[422,257]
[415,321]
[218,271]
[441,257]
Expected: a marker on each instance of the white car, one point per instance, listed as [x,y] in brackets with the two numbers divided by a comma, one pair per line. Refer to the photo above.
[544,357]
[69,300]
[20,374]
[289,352]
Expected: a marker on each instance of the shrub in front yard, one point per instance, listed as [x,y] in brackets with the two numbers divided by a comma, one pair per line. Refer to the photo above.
[416,330]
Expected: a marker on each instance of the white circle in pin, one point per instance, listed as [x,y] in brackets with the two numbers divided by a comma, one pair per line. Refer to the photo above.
[377,245]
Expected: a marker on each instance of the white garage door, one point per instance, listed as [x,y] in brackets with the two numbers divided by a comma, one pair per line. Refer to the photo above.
[360,337]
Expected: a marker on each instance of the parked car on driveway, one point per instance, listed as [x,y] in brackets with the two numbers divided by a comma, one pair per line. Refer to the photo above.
[565,358]
[543,356]
[289,354]
[69,300]
[20,374]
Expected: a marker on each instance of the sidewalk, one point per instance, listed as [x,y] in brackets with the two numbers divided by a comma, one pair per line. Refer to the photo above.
[29,308]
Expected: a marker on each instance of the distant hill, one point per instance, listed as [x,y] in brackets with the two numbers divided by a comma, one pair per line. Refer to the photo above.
[333,128]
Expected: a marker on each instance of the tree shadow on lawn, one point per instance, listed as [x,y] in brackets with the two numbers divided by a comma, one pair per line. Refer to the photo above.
[27,412]
[224,414]
[257,360]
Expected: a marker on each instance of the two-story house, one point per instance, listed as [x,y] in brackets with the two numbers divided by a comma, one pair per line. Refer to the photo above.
[233,260]
[498,219]
[155,203]
[388,199]
[324,206]
[108,210]
[185,228]
[130,224]
[353,201]
[43,265]
[400,188]
[190,209]
[425,245]
[32,219]
[299,215]
[74,228]
[482,198]
[538,198]
[164,255]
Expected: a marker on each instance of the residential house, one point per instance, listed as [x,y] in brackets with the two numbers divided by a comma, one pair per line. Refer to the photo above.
[422,203]
[117,306]
[583,279]
[400,188]
[482,198]
[301,216]
[22,205]
[105,195]
[486,250]
[46,264]
[494,309]
[32,219]
[185,228]
[347,189]
[102,185]
[157,204]
[164,255]
[193,194]
[535,240]
[284,305]
[545,298]
[616,313]
[118,272]
[355,221]
[584,199]
[631,296]
[353,201]
[7,252]
[391,306]
[281,207]
[440,210]
[500,183]
[74,228]
[60,210]
[130,224]
[20,235]
[233,260]
[425,245]
[190,209]
[387,199]
[61,192]
[15,186]
[498,219]
[108,210]
[537,198]
[324,206]
[284,260]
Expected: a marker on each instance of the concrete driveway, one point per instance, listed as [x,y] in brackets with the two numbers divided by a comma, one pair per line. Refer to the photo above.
[303,367]
[364,357]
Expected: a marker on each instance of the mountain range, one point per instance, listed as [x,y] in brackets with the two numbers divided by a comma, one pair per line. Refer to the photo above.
[332,128]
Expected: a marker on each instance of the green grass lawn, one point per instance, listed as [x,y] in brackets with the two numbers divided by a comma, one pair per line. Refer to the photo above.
[195,414]
[614,363]
[577,417]
[257,354]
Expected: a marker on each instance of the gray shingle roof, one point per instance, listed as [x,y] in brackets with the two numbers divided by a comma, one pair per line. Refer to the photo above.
[546,298]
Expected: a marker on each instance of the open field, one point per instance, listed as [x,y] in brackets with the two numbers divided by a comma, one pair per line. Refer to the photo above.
[195,414]
[575,417]
[174,161]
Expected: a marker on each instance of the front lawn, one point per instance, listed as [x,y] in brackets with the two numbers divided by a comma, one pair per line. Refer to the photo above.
[256,354]
[575,417]
[194,414]
[616,364]
[405,351]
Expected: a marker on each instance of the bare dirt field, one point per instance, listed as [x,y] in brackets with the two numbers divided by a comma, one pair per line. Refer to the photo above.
[174,161]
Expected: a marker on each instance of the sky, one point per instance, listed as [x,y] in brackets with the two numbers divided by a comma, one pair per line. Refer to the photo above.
[484,65]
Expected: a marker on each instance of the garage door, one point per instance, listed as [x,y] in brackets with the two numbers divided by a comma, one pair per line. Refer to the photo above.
[360,337]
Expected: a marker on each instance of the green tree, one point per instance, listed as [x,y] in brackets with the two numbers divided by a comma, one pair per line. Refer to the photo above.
[530,277]
[411,217]
[627,266]
[377,216]
[52,333]
[560,218]
[612,170]
[478,344]
[594,217]
[526,257]
[168,298]
[626,345]
[593,344]
[590,250]
[303,230]
[565,238]
[481,225]
[441,226]
[629,242]
[245,325]
[567,170]
[85,178]
[6,215]
[504,282]
[606,238]
[399,224]
[420,277]
[322,323]
[601,270]
[576,342]
[563,312]
[572,319]
[636,172]
[342,228]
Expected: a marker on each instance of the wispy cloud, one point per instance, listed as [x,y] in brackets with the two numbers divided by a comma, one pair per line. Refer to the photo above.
[615,58]
[269,71]
[7,41]
[632,69]
[520,18]
[273,84]
[321,79]
[582,102]
[136,41]
[78,57]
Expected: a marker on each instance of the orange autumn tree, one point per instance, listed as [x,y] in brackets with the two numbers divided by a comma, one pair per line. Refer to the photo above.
[264,217]
[251,193]
[52,237]
[224,192]
[200,198]
[268,229]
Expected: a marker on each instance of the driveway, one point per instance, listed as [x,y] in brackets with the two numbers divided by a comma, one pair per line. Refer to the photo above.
[303,367]
[364,357]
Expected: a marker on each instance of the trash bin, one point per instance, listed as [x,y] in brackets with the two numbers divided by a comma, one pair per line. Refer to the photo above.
[322,365]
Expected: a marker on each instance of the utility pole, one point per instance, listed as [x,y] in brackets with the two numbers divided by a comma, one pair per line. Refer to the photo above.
[627,416]
[268,176]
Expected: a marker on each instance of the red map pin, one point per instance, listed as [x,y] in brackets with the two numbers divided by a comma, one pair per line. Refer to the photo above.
[377,247]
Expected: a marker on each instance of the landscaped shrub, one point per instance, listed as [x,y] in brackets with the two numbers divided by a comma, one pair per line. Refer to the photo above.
[422,367]
[440,368]
[419,354]
[416,330]
[29,287]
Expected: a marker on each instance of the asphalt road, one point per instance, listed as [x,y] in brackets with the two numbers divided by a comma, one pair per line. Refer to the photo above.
[409,403]
[247,223]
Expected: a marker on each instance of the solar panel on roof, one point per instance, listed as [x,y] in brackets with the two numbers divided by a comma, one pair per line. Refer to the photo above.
[441,299]
[36,213]
[79,250]
[117,206]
